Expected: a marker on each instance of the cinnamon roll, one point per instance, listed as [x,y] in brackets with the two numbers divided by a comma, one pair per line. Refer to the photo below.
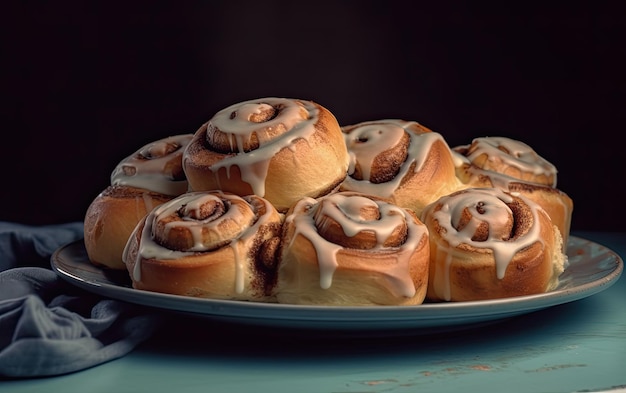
[351,249]
[402,161]
[507,157]
[141,181]
[486,243]
[278,148]
[209,244]
[515,167]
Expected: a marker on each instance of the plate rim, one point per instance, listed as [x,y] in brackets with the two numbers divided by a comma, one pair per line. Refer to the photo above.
[283,313]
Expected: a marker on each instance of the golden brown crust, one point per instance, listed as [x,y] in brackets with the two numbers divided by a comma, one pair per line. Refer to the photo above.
[402,161]
[514,167]
[111,218]
[555,202]
[299,152]
[224,253]
[150,176]
[337,251]
[509,157]
[521,254]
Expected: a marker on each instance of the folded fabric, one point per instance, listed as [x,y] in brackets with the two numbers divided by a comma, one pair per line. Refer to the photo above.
[25,245]
[49,327]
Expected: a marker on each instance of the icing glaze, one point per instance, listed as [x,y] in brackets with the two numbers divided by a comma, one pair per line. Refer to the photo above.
[507,159]
[156,167]
[310,218]
[485,205]
[514,166]
[290,120]
[367,140]
[208,231]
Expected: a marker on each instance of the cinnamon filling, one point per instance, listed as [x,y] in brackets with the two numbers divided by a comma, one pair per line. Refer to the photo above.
[202,224]
[335,231]
[386,165]
[226,143]
[210,208]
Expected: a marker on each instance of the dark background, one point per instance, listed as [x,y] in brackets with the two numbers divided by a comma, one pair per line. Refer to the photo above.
[84,84]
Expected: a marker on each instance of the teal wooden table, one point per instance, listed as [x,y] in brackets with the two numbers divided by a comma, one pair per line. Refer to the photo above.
[574,347]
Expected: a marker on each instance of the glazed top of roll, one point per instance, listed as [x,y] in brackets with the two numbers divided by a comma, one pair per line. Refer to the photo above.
[157,167]
[200,222]
[247,135]
[505,159]
[359,223]
[366,141]
[490,219]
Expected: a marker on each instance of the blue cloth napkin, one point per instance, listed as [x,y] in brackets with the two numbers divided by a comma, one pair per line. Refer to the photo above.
[48,326]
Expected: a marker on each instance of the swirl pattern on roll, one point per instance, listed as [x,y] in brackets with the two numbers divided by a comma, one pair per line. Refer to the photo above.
[508,157]
[278,148]
[156,166]
[515,167]
[487,243]
[350,248]
[207,244]
[401,161]
[152,175]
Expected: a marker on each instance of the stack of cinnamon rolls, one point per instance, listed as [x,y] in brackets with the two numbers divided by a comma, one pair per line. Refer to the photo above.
[274,200]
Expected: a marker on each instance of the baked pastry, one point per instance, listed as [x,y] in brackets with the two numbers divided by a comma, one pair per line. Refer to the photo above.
[486,243]
[352,249]
[208,244]
[506,156]
[278,148]
[515,167]
[402,161]
[145,179]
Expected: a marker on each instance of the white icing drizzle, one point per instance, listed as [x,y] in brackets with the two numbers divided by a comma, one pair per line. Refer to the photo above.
[254,164]
[518,155]
[186,205]
[345,211]
[493,205]
[369,139]
[458,158]
[148,167]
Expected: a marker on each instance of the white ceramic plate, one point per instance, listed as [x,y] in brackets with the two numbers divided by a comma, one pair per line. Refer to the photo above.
[592,268]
